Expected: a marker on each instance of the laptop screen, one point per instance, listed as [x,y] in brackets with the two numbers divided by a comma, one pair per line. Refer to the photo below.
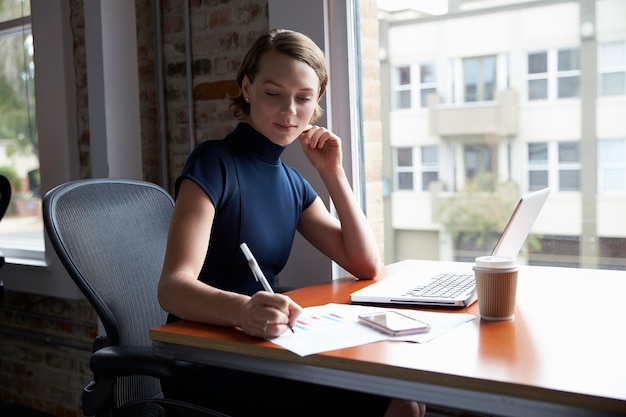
[520,223]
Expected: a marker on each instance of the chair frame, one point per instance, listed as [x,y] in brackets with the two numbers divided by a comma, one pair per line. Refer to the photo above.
[111,361]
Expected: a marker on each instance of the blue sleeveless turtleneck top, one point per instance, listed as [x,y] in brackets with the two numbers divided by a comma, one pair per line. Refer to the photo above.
[258,200]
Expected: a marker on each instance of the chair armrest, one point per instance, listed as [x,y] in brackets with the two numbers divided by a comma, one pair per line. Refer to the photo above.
[112,362]
[118,361]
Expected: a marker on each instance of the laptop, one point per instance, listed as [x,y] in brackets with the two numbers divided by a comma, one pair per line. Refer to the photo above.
[454,288]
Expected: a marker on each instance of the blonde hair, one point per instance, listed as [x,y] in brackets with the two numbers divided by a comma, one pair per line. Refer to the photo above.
[293,44]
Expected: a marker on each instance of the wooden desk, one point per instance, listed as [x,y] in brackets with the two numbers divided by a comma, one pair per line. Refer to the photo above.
[561,355]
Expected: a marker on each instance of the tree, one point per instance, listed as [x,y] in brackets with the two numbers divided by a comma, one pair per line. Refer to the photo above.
[478,213]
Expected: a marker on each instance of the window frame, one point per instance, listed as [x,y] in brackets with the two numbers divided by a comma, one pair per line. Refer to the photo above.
[333,26]
[553,166]
[604,166]
[620,68]
[553,74]
[429,167]
[483,94]
[400,170]
[28,252]
[429,86]
[58,154]
[400,90]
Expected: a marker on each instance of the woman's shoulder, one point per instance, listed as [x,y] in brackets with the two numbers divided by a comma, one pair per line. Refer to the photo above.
[211,150]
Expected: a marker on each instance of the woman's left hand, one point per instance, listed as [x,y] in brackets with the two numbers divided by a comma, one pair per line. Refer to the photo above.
[322,147]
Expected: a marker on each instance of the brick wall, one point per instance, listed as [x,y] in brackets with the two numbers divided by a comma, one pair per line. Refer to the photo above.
[46,342]
[44,353]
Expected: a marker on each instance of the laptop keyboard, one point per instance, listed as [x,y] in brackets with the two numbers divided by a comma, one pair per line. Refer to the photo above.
[444,286]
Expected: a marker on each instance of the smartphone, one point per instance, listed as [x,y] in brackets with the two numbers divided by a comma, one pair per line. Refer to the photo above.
[393,323]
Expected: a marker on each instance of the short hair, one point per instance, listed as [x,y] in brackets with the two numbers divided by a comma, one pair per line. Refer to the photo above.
[293,44]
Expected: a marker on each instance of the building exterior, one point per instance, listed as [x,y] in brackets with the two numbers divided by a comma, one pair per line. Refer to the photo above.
[531,92]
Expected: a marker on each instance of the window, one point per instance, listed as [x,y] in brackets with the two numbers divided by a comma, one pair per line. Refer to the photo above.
[478,160]
[403,164]
[430,166]
[479,75]
[538,76]
[568,77]
[612,165]
[569,166]
[612,68]
[402,87]
[32,267]
[537,166]
[428,82]
[553,74]
[21,230]
[562,170]
[531,51]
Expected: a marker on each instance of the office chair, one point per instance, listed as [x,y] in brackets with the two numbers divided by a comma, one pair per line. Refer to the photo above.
[5,199]
[110,234]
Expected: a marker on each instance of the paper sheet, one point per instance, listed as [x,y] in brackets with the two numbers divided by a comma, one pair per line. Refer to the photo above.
[335,326]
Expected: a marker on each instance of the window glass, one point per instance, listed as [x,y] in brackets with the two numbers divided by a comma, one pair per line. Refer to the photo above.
[403,161]
[568,59]
[612,165]
[405,157]
[568,87]
[478,160]
[568,152]
[537,63]
[21,229]
[489,77]
[538,75]
[511,119]
[403,87]
[538,153]
[430,166]
[14,9]
[568,64]
[537,89]
[480,78]
[569,166]
[612,68]
[428,79]
[537,166]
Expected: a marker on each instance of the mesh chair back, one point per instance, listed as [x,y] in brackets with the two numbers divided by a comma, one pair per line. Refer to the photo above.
[110,235]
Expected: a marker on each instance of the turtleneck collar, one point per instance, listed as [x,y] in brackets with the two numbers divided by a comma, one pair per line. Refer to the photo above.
[247,138]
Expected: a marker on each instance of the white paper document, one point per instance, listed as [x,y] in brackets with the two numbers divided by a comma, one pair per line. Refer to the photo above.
[335,326]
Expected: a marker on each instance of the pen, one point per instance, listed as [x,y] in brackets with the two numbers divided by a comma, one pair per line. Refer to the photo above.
[257,272]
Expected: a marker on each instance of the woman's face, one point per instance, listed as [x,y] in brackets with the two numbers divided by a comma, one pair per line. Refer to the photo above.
[282,97]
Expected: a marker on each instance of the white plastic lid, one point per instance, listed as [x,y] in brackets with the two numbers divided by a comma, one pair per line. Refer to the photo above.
[495,262]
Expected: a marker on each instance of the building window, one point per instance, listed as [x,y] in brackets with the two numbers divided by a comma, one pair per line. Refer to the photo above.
[479,75]
[612,68]
[612,165]
[538,76]
[403,168]
[21,231]
[553,74]
[402,87]
[428,82]
[537,166]
[478,160]
[569,166]
[568,77]
[430,166]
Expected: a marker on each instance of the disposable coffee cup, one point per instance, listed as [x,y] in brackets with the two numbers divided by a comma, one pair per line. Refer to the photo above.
[496,287]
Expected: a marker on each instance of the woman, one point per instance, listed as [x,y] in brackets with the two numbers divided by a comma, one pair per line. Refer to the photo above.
[238,190]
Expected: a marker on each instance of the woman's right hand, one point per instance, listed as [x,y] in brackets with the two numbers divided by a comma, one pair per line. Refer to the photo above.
[269,315]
